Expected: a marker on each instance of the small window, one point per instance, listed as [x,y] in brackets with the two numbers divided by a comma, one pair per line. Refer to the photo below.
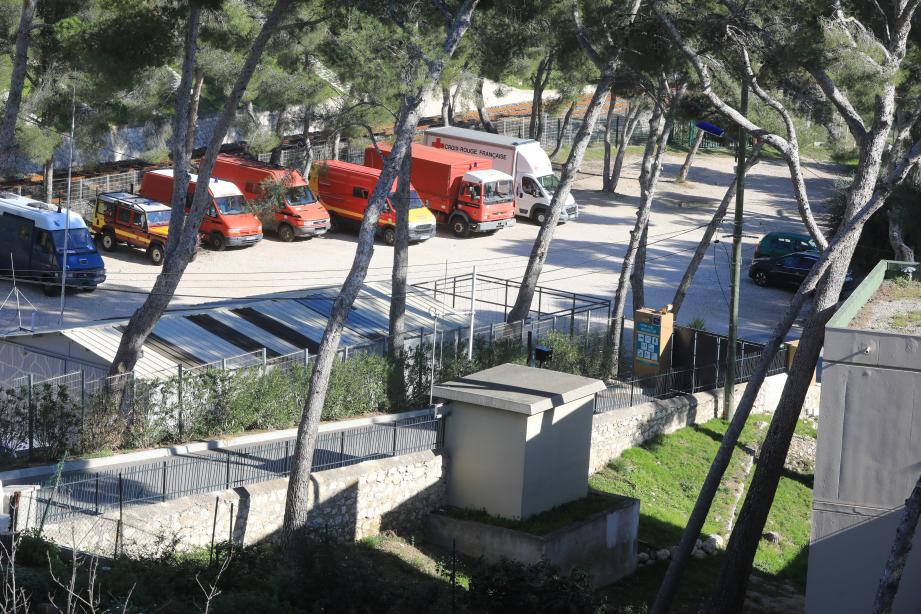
[44,242]
[124,216]
[101,206]
[358,192]
[139,220]
[211,211]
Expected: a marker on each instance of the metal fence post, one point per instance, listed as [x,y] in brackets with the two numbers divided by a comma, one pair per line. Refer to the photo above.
[717,382]
[119,536]
[179,406]
[694,360]
[82,405]
[31,417]
[96,495]
[505,302]
[540,294]
[341,448]
[306,358]
[227,466]
[164,481]
[265,357]
[572,316]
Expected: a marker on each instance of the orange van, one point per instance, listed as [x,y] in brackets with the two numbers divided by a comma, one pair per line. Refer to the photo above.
[297,213]
[226,222]
[344,189]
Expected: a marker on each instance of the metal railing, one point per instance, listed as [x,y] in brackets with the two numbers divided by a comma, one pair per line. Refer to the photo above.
[82,492]
[674,382]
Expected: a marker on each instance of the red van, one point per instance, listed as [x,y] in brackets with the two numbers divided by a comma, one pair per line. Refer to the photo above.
[226,222]
[298,214]
[344,189]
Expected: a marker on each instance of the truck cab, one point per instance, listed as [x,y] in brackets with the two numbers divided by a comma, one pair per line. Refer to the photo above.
[226,222]
[484,203]
[344,189]
[295,212]
[33,239]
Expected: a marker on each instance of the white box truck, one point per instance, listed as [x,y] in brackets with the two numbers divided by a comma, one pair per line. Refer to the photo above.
[523,159]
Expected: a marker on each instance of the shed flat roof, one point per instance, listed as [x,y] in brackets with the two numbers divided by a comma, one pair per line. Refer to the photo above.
[519,389]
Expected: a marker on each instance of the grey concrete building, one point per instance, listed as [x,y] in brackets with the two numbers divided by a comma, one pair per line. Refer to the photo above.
[869,443]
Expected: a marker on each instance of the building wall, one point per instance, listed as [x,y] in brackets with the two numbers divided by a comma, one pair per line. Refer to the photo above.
[348,503]
[868,458]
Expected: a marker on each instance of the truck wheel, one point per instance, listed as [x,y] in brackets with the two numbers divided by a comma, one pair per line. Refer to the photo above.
[156,254]
[390,235]
[460,227]
[539,216]
[217,241]
[286,233]
[334,224]
[108,241]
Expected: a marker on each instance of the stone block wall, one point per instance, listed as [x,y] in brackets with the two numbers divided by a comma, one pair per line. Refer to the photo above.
[622,429]
[348,503]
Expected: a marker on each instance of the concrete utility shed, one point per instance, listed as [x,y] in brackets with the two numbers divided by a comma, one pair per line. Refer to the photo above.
[519,439]
[869,453]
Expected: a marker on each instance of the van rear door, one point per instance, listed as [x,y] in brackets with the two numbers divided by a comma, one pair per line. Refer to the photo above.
[16,238]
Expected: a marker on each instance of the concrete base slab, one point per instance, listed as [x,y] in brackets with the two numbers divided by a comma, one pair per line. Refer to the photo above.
[604,544]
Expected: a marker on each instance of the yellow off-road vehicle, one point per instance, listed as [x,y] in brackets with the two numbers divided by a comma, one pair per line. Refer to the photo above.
[122,217]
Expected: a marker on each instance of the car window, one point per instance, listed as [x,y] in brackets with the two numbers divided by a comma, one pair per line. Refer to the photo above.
[782,243]
[211,211]
[530,186]
[358,192]
[124,216]
[139,220]
[803,245]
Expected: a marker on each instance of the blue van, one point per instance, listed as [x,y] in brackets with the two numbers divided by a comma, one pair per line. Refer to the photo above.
[32,244]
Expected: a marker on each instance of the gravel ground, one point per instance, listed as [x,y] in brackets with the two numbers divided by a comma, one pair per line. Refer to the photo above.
[893,308]
[585,256]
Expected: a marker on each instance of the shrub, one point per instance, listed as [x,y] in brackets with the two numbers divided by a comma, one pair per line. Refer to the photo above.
[358,385]
[509,586]
[698,323]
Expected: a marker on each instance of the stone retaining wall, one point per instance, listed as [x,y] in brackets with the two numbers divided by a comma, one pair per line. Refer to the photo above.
[348,503]
[622,429]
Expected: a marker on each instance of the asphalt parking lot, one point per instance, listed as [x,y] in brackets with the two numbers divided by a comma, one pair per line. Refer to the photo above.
[585,256]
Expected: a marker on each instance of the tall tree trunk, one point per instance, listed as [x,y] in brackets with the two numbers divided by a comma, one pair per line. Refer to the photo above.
[898,556]
[280,121]
[630,124]
[539,83]
[570,170]
[685,284]
[297,507]
[400,260]
[743,543]
[608,142]
[445,105]
[17,80]
[689,159]
[48,179]
[181,244]
[308,149]
[485,121]
[902,250]
[193,110]
[334,140]
[660,126]
[541,247]
[637,277]
[559,133]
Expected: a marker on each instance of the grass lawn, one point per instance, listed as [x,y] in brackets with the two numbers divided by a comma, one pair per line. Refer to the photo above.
[666,475]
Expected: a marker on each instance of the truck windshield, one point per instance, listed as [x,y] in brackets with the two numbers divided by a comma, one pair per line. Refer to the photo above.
[497,191]
[78,240]
[158,218]
[230,205]
[549,182]
[299,195]
[414,201]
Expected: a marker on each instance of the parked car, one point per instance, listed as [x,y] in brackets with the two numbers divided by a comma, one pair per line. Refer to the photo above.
[776,244]
[789,270]
[122,217]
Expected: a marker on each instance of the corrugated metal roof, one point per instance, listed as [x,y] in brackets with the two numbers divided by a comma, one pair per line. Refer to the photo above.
[281,325]
[103,342]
